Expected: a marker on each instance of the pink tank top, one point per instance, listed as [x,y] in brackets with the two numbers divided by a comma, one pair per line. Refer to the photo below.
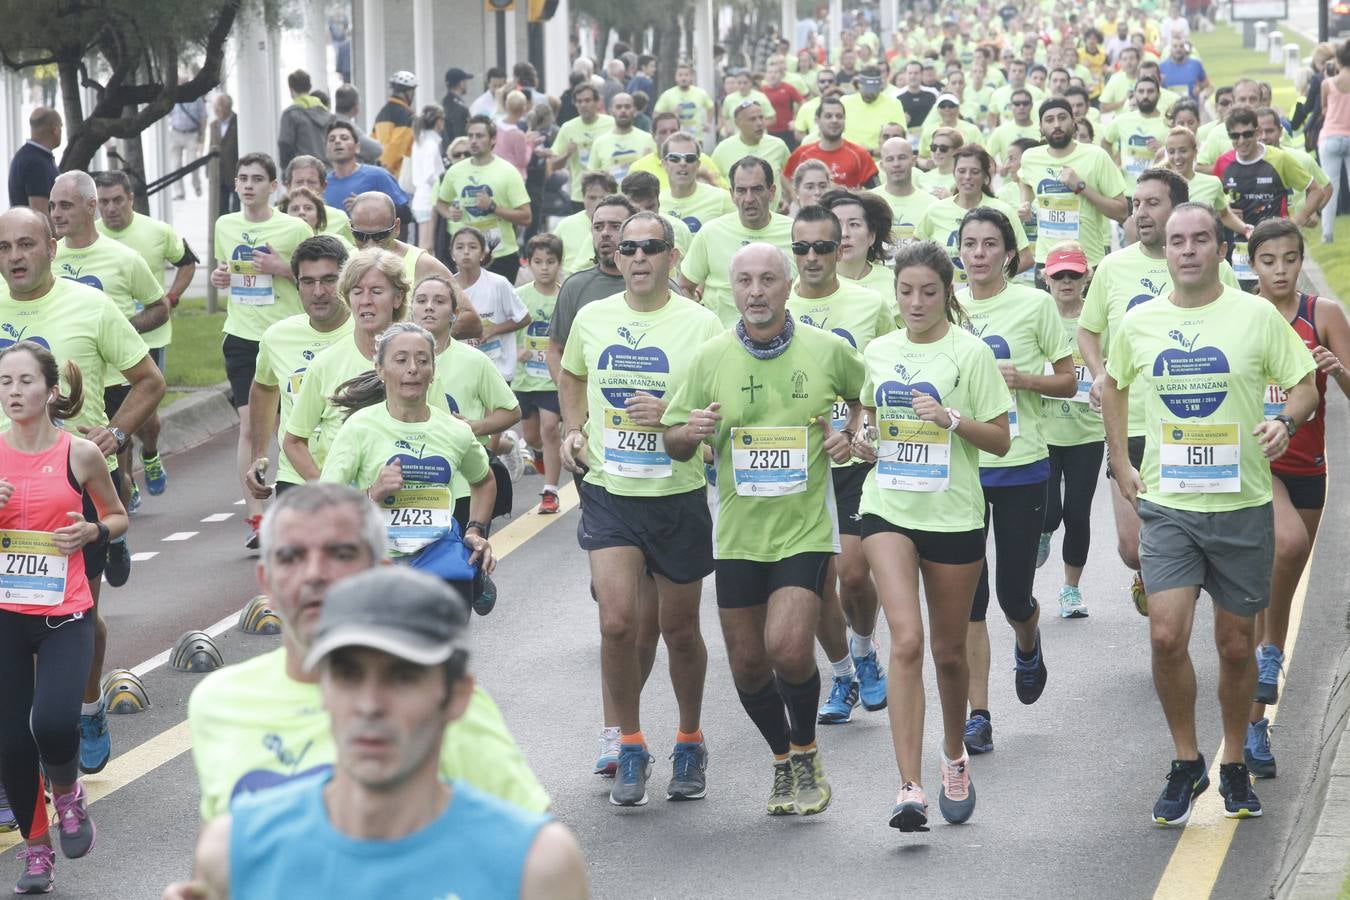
[1336,116]
[35,578]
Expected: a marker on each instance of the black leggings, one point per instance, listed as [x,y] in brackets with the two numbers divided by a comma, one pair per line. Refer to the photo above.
[1017,515]
[41,723]
[1073,484]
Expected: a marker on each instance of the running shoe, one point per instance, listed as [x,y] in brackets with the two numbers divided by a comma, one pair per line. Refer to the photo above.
[548,503]
[39,867]
[156,479]
[608,759]
[1139,595]
[7,820]
[630,780]
[910,812]
[77,829]
[1269,665]
[1187,780]
[957,800]
[1235,786]
[810,791]
[484,593]
[871,681]
[1256,752]
[134,504]
[838,708]
[253,523]
[780,799]
[1071,605]
[537,460]
[514,459]
[688,777]
[118,568]
[979,735]
[95,742]
[1043,549]
[1030,674]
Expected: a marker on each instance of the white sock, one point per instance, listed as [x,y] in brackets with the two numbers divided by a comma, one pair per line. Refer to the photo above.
[843,668]
[550,489]
[860,644]
[90,709]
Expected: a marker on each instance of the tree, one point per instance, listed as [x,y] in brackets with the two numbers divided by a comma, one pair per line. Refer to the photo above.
[127,51]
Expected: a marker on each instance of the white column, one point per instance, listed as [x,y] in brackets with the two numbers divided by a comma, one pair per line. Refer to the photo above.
[155,153]
[836,24]
[787,28]
[375,86]
[252,103]
[316,46]
[13,129]
[430,86]
[508,21]
[888,17]
[556,64]
[704,39]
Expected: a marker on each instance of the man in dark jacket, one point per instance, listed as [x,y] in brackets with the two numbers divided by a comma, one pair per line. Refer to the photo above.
[304,124]
[456,110]
[224,138]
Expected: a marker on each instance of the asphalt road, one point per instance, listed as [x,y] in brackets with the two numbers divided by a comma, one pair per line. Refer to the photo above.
[1064,801]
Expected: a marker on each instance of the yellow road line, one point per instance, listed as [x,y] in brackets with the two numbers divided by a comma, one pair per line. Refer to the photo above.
[1203,846]
[144,758]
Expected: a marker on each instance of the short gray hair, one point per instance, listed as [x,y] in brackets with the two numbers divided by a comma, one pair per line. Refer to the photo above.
[763,245]
[84,184]
[314,497]
[646,215]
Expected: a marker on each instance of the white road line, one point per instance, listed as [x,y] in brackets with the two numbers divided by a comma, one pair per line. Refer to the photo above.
[218,517]
[180,536]
[160,659]
[239,503]
[144,555]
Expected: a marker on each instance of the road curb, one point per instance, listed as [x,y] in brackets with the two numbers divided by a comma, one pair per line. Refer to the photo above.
[196,418]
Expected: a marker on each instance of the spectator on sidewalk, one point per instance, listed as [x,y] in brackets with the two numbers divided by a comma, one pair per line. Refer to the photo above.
[456,110]
[393,126]
[346,108]
[304,124]
[187,127]
[33,170]
[225,141]
[485,104]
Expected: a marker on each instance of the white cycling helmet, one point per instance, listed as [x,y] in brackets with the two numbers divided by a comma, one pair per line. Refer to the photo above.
[403,79]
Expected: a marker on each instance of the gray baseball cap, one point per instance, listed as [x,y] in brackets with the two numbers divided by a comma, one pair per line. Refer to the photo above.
[401,611]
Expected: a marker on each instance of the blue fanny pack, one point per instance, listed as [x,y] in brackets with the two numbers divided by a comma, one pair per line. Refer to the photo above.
[447,558]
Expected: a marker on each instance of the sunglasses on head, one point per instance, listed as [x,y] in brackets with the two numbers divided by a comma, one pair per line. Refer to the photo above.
[681,157]
[1072,276]
[1241,135]
[649,247]
[373,237]
[822,248]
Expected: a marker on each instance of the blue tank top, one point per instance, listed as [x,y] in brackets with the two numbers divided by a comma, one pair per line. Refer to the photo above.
[282,844]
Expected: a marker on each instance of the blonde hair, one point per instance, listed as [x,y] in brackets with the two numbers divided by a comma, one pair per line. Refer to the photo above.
[1182,131]
[362,262]
[958,140]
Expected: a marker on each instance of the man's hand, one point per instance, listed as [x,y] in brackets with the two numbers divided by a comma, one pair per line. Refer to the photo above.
[1069,178]
[482,552]
[255,480]
[836,442]
[6,491]
[644,409]
[1095,392]
[102,438]
[703,422]
[269,262]
[220,276]
[1128,481]
[572,452]
[483,201]
[1273,437]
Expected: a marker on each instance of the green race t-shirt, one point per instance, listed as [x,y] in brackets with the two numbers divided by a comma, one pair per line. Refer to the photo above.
[578,247]
[1021,325]
[863,121]
[702,206]
[254,727]
[615,153]
[157,243]
[941,222]
[880,279]
[709,260]
[1130,132]
[692,105]
[465,182]
[1208,189]
[532,371]
[1203,372]
[583,134]
[775,492]
[434,456]
[1062,215]
[469,385]
[284,355]
[905,211]
[339,225]
[770,149]
[736,98]
[1118,88]
[618,351]
[258,301]
[1070,421]
[926,477]
[1002,137]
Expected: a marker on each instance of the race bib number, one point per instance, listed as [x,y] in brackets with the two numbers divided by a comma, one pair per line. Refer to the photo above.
[1276,397]
[913,455]
[1199,459]
[1082,379]
[491,347]
[839,413]
[1137,157]
[536,364]
[32,569]
[633,450]
[1057,217]
[769,462]
[1242,262]
[417,516]
[248,286]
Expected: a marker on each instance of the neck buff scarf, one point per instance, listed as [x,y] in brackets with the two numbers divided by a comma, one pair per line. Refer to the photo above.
[768,349]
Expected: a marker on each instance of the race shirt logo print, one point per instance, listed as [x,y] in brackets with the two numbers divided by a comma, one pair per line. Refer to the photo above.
[73,274]
[824,325]
[900,393]
[628,367]
[13,335]
[1153,291]
[1192,381]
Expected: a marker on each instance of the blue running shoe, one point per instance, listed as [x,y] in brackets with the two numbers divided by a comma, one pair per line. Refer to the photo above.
[979,735]
[838,709]
[1235,786]
[1042,549]
[7,820]
[1256,752]
[134,504]
[630,781]
[156,479]
[1187,780]
[1030,673]
[688,778]
[871,682]
[95,743]
[1269,664]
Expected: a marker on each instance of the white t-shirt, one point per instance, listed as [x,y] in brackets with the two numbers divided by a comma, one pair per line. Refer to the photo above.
[496,301]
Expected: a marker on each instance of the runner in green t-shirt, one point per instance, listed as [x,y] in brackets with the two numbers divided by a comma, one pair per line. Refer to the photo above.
[1136,136]
[1023,329]
[575,230]
[936,399]
[487,192]
[823,300]
[1203,357]
[689,199]
[621,146]
[1073,188]
[762,395]
[572,145]
[533,385]
[705,273]
[866,222]
[642,509]
[751,139]
[973,170]
[906,200]
[688,101]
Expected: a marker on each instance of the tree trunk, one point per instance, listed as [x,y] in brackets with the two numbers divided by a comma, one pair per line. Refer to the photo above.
[133,155]
[68,71]
[665,47]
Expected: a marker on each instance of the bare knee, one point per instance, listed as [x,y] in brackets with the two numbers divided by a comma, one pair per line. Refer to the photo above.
[949,657]
[1167,644]
[1129,553]
[1235,647]
[906,649]
[616,623]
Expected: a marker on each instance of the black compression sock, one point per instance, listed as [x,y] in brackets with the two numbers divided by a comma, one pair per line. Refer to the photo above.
[802,701]
[765,708]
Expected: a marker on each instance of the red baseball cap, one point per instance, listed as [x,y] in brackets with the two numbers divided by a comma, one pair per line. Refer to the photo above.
[1065,261]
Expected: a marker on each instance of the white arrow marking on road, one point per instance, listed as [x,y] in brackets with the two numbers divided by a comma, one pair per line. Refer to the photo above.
[218,517]
[180,536]
[144,555]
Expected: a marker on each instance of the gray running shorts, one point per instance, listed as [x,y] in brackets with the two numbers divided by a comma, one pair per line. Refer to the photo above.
[1230,554]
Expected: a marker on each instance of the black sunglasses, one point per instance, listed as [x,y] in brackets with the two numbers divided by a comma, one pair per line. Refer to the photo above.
[939,148]
[1020,103]
[649,247]
[462,155]
[801,248]
[1241,135]
[373,237]
[1072,276]
[681,157]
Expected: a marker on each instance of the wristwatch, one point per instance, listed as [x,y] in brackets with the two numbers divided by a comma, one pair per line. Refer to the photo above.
[120,436]
[1288,423]
[955,417]
[1080,187]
